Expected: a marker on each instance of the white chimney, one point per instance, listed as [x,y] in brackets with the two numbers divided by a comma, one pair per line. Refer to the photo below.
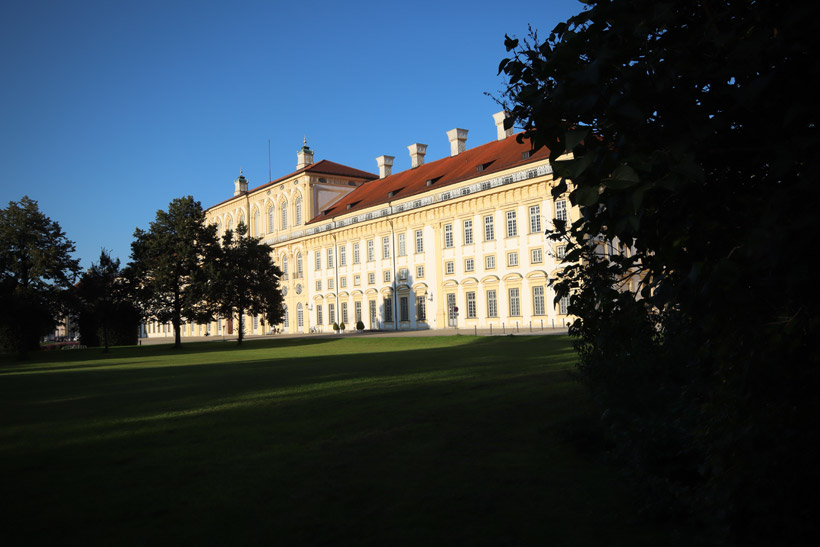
[385,166]
[304,156]
[499,118]
[417,152]
[458,141]
[240,185]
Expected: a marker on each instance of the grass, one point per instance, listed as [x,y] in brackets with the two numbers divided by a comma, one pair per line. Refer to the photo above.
[352,441]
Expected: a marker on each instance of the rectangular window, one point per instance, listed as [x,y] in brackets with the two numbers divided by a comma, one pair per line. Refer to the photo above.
[318,284]
[330,258]
[385,247]
[330,284]
[448,236]
[469,265]
[536,256]
[319,319]
[357,280]
[388,310]
[471,305]
[387,276]
[489,262]
[403,274]
[535,219]
[318,260]
[515,303]
[420,271]
[343,282]
[561,209]
[489,230]
[561,251]
[371,255]
[492,304]
[564,305]
[538,301]
[468,232]
[512,259]
[449,267]
[355,253]
[402,244]
[421,308]
[419,241]
[357,311]
[344,312]
[372,313]
[512,224]
[404,308]
[331,312]
[371,278]
[343,255]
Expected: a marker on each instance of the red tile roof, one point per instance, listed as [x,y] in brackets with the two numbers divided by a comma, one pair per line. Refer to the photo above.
[321,167]
[494,157]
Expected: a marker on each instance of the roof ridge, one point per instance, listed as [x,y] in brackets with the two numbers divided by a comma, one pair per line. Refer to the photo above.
[491,157]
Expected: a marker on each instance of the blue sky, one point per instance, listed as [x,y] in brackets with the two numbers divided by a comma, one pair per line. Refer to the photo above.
[109,110]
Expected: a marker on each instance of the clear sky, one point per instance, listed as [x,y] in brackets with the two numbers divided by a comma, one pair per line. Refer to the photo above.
[111,109]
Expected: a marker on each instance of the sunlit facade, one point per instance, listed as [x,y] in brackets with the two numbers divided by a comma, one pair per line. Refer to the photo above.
[456,242]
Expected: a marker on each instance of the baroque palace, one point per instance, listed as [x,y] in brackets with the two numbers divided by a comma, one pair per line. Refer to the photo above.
[456,242]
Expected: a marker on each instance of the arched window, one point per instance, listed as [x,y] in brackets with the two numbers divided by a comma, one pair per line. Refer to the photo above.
[242,221]
[285,320]
[284,215]
[300,316]
[298,210]
[230,224]
[256,222]
[285,266]
[298,265]
[218,229]
[271,220]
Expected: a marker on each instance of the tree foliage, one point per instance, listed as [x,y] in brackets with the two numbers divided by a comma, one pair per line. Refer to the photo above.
[244,280]
[107,313]
[688,130]
[36,271]
[167,268]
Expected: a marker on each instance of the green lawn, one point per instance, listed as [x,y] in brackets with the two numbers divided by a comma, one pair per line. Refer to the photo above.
[354,441]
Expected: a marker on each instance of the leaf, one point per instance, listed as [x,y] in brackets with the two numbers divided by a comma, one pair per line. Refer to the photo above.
[510,43]
[586,195]
[573,168]
[574,137]
[560,188]
[502,64]
[623,177]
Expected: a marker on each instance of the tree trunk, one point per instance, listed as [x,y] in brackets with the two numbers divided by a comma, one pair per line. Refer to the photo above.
[105,332]
[176,320]
[241,327]
[177,333]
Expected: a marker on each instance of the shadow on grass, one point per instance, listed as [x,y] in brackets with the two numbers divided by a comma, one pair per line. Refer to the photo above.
[343,441]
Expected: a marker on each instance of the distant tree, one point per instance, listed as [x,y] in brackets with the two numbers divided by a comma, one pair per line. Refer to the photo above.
[166,272]
[245,280]
[106,308]
[692,131]
[36,271]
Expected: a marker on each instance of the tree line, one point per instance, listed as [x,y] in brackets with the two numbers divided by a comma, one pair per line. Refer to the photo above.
[179,271]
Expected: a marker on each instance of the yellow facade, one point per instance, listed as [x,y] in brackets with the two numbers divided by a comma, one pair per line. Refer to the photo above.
[469,254]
